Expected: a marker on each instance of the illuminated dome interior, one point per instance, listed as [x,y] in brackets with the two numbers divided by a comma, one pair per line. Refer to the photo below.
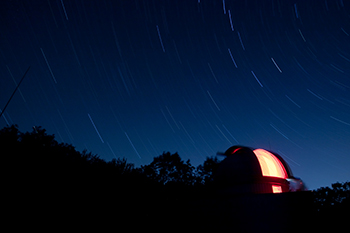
[270,165]
[253,170]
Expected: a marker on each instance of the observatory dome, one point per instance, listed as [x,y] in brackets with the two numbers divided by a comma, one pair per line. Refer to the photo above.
[247,170]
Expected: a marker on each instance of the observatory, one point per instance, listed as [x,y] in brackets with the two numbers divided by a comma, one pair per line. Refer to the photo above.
[254,190]
[247,170]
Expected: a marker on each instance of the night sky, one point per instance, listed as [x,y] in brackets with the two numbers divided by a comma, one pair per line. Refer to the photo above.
[134,78]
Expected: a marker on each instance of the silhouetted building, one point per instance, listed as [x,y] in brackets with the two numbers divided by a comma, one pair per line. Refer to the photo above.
[254,192]
[246,170]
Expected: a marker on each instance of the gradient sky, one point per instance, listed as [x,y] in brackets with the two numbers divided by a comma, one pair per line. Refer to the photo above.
[134,78]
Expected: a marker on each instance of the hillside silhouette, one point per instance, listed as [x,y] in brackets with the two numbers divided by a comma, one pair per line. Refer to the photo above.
[51,182]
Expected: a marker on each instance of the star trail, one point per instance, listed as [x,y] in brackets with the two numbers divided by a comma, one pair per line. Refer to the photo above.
[135,78]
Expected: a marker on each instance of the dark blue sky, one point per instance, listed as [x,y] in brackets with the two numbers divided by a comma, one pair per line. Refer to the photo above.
[132,78]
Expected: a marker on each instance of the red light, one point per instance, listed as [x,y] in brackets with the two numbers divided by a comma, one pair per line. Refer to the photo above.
[276,189]
[269,164]
[236,150]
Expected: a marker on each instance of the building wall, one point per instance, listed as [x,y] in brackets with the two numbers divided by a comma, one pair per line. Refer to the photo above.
[283,212]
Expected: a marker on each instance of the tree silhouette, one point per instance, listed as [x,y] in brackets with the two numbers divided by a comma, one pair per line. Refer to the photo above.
[331,206]
[37,160]
[169,169]
[37,156]
[44,176]
[205,172]
[326,198]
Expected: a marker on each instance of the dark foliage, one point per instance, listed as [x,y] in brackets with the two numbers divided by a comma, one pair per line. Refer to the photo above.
[37,163]
[205,172]
[44,178]
[331,206]
[328,198]
[50,177]
[37,154]
[169,169]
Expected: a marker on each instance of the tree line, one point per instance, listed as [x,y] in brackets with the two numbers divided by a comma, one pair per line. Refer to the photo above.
[36,158]
[39,168]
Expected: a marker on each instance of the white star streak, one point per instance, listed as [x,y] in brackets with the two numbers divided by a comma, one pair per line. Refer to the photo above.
[53,76]
[256,79]
[229,15]
[111,150]
[233,60]
[302,36]
[64,9]
[292,101]
[276,65]
[240,39]
[314,94]
[296,10]
[160,39]
[213,100]
[211,70]
[278,131]
[95,128]
[223,6]
[345,123]
[132,145]
[223,134]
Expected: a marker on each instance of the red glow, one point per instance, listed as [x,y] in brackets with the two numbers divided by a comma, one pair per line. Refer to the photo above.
[269,164]
[236,150]
[276,189]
